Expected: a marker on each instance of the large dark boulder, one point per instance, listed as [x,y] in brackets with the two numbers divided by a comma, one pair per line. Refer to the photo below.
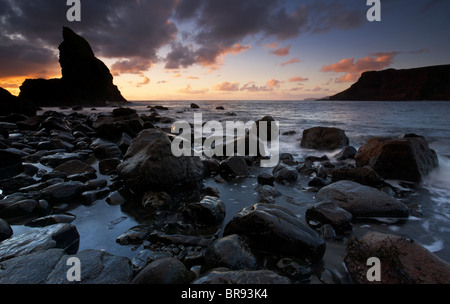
[5,230]
[150,165]
[328,212]
[232,252]
[402,261]
[324,138]
[408,158]
[11,104]
[164,271]
[427,83]
[10,162]
[85,79]
[275,229]
[362,201]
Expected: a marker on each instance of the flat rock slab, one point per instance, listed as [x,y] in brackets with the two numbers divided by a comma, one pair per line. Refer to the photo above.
[97,267]
[226,276]
[51,267]
[64,236]
[32,268]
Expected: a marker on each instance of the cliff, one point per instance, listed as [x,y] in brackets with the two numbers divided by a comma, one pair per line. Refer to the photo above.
[427,83]
[85,79]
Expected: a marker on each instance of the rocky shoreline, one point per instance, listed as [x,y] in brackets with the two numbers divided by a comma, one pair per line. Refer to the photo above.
[52,162]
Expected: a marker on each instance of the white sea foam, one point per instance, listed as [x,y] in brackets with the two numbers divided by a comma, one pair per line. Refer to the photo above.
[435,246]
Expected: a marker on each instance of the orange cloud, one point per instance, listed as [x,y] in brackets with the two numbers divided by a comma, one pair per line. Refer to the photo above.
[215,61]
[251,87]
[192,77]
[278,51]
[353,70]
[227,86]
[188,90]
[292,61]
[273,83]
[298,79]
[145,81]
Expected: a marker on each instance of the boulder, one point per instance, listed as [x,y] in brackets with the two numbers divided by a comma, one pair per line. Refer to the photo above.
[210,210]
[56,159]
[348,152]
[408,158]
[13,184]
[156,200]
[265,124]
[255,277]
[75,167]
[267,194]
[104,149]
[318,182]
[328,212]
[233,166]
[51,220]
[362,201]
[275,229]
[135,235]
[146,256]
[402,261]
[64,192]
[150,165]
[266,179]
[284,174]
[5,230]
[33,268]
[362,175]
[115,198]
[108,166]
[291,269]
[64,236]
[97,267]
[123,112]
[112,127]
[164,271]
[10,163]
[13,207]
[307,168]
[232,252]
[323,138]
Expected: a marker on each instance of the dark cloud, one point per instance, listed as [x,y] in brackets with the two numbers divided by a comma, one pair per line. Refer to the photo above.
[114,28]
[180,56]
[223,24]
[134,31]
[336,14]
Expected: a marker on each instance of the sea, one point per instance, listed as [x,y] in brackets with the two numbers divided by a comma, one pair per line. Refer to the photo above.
[100,224]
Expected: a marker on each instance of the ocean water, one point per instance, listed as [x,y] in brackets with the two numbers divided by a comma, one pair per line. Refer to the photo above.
[99,225]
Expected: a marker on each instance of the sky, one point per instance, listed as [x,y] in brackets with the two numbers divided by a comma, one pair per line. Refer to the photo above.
[226,49]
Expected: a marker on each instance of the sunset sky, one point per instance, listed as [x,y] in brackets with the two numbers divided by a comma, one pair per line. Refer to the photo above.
[226,49]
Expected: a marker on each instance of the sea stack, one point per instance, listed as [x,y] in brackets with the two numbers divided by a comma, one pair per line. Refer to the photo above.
[85,79]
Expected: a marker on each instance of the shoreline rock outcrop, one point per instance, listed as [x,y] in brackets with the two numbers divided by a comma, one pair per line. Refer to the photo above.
[426,83]
[85,79]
